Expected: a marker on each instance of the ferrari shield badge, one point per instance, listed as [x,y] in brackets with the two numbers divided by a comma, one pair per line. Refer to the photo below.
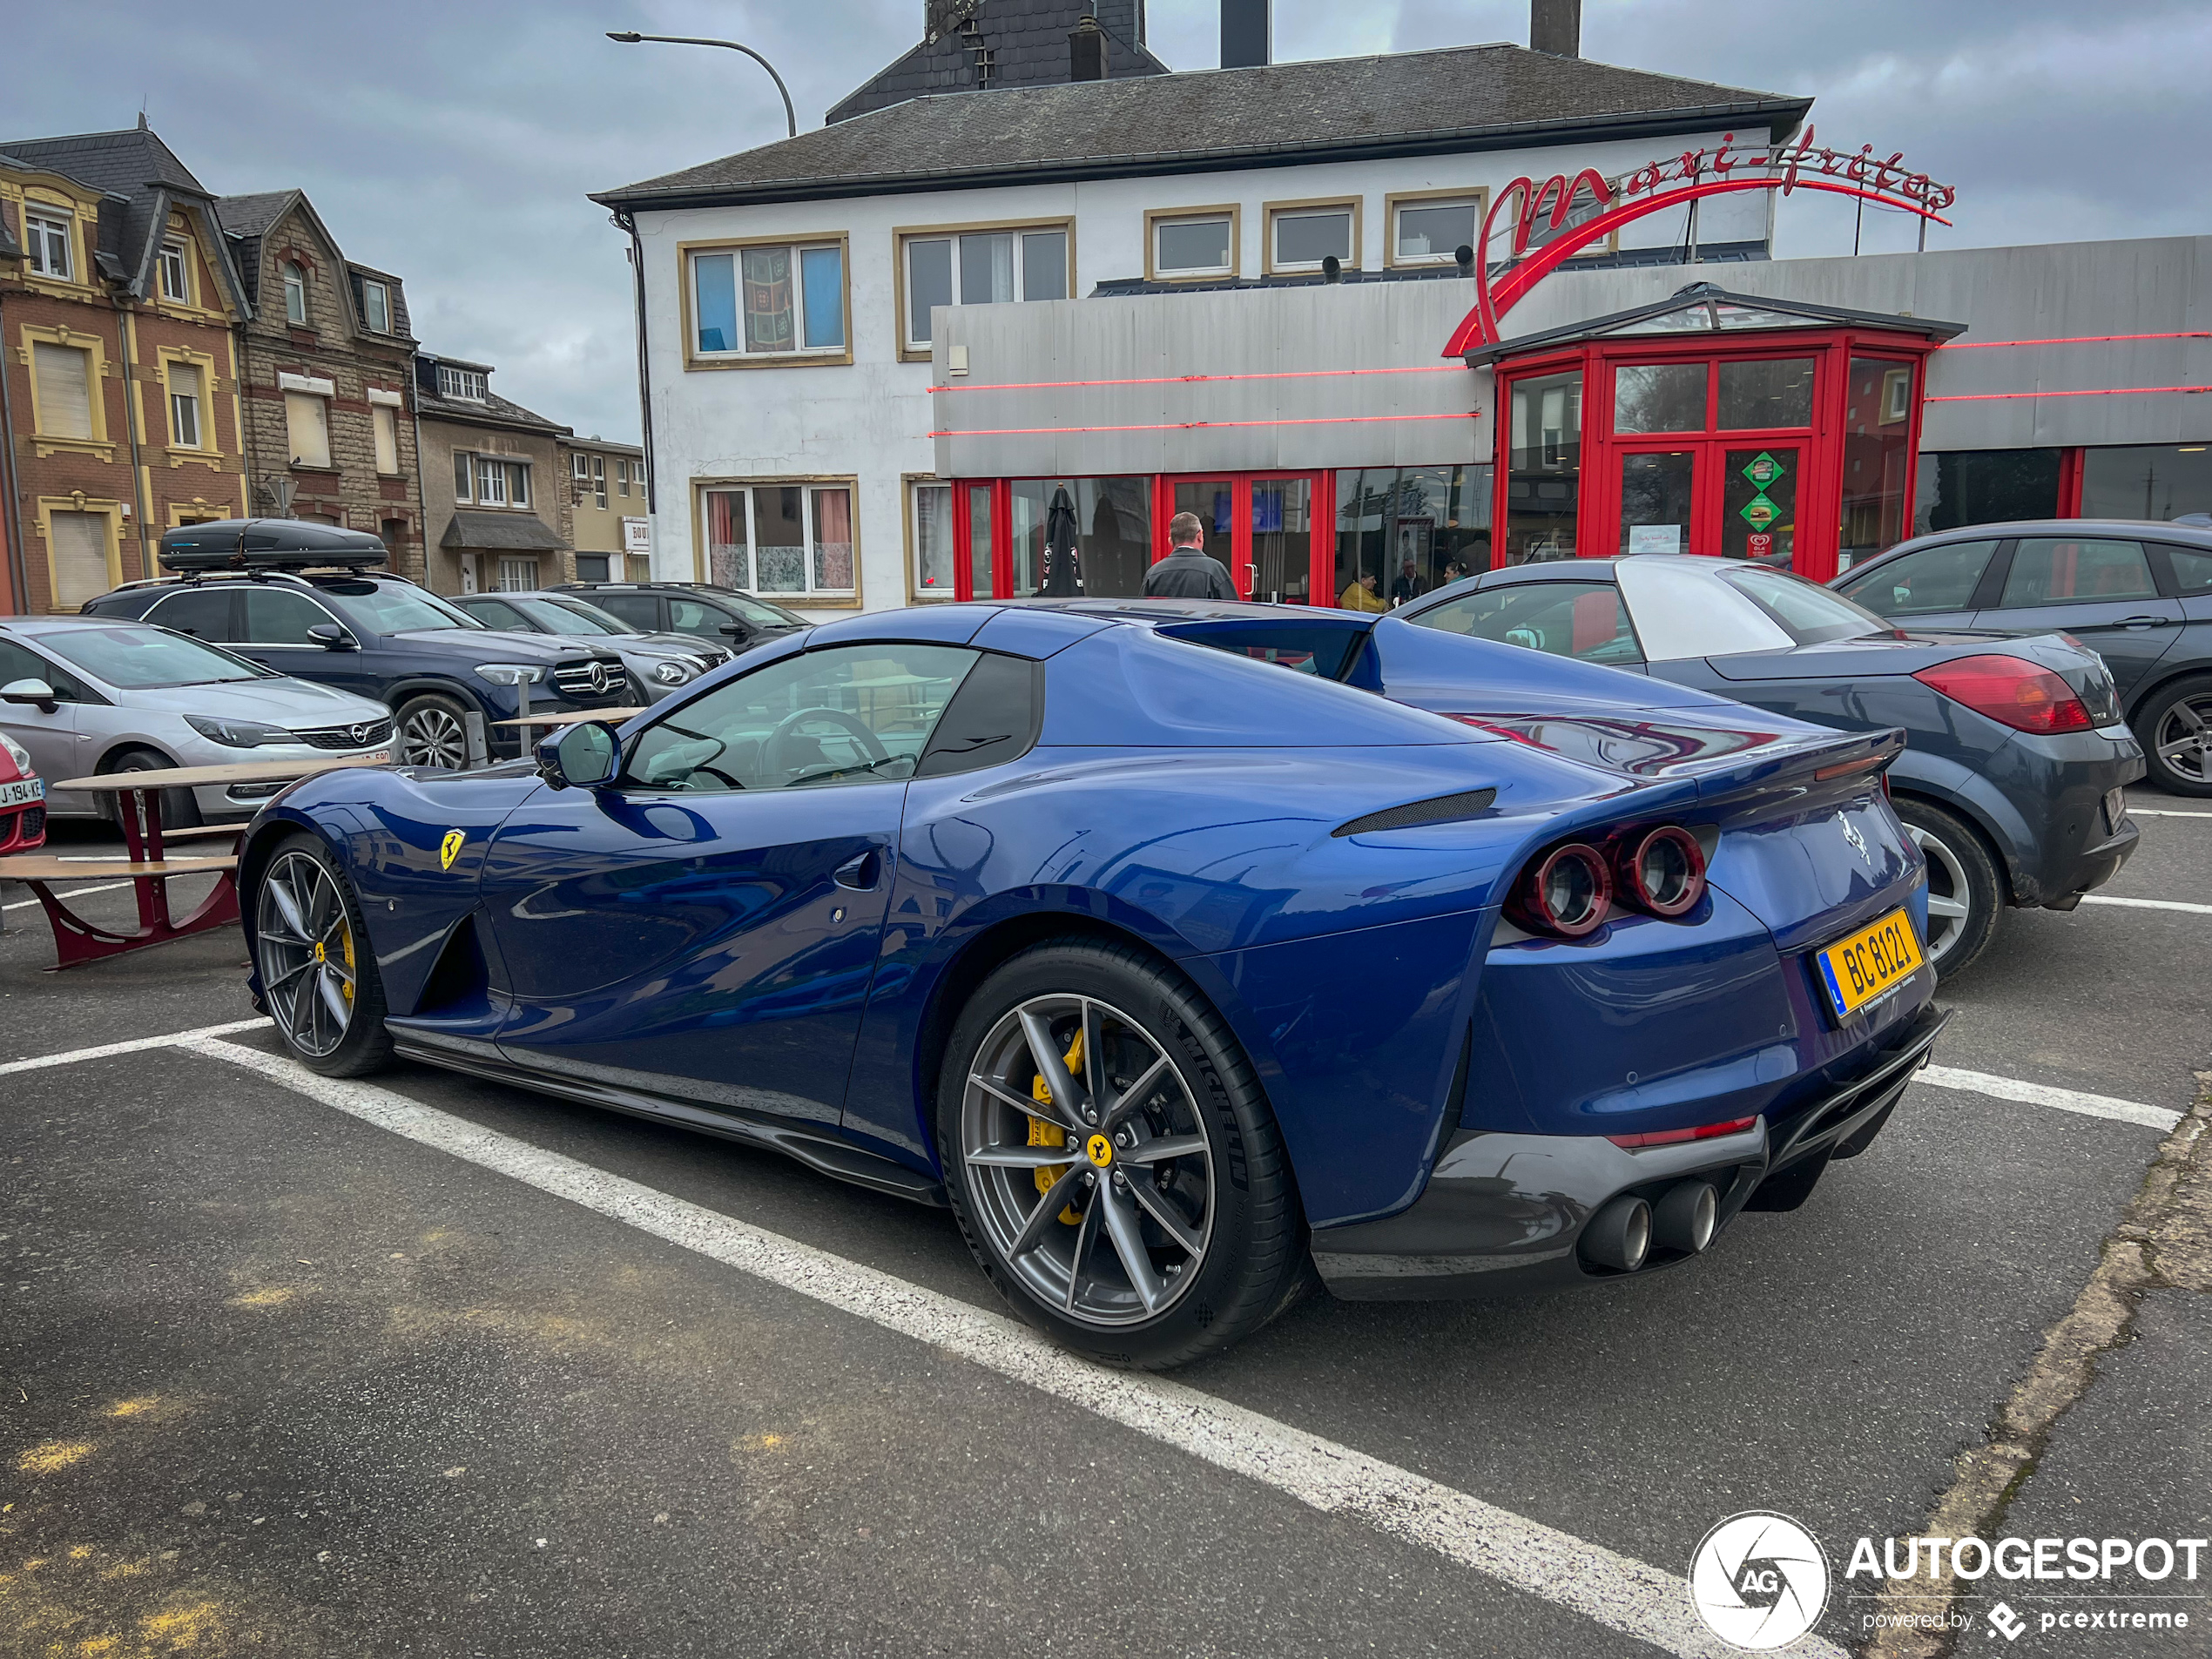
[449,849]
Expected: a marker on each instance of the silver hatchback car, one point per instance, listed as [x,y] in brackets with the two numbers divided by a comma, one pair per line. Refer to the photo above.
[96,694]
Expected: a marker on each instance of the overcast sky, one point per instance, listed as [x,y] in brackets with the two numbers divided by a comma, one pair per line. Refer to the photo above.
[452,141]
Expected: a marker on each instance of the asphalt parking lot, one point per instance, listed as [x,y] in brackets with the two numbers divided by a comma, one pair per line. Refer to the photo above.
[289,1367]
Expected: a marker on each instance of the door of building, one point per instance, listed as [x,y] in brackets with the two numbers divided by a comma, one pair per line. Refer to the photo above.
[1261,525]
[1731,497]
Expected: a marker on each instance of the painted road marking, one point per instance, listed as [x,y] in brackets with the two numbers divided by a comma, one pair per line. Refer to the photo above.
[2162,812]
[174,1038]
[2150,904]
[2064,1100]
[1614,1590]
[104,886]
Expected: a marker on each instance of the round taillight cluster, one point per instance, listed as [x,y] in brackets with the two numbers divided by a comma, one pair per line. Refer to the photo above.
[1570,890]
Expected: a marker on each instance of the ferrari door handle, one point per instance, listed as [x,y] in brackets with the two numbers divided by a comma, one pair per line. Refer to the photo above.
[859,874]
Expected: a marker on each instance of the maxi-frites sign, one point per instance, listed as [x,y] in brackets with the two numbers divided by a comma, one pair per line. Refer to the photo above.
[1552,222]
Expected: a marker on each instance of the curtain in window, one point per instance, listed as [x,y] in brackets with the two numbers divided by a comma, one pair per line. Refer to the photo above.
[932,552]
[780,540]
[833,539]
[64,389]
[986,268]
[308,423]
[767,299]
[728,561]
[78,542]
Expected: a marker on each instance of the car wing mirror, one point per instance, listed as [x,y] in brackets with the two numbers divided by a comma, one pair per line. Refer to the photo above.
[331,637]
[36,691]
[583,756]
[734,630]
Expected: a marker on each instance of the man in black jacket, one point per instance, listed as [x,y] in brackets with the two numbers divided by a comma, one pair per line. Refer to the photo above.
[1189,571]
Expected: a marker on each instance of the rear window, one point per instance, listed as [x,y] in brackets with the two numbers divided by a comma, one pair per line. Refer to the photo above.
[1807,611]
[1326,650]
[2192,571]
[2051,570]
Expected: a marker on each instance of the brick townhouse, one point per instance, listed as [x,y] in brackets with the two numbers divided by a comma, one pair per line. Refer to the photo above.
[119,363]
[329,410]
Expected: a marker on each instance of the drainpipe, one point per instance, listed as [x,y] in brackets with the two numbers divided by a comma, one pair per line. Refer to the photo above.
[134,418]
[18,570]
[421,482]
[629,224]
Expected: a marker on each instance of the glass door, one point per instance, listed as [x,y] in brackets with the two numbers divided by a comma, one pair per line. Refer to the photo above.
[1758,503]
[1280,568]
[1659,501]
[1214,499]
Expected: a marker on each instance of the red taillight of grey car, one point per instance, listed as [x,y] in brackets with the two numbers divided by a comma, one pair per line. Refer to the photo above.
[1570,891]
[2011,692]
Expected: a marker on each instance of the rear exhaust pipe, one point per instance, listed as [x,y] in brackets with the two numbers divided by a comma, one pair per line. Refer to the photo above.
[1685,1216]
[1619,1236]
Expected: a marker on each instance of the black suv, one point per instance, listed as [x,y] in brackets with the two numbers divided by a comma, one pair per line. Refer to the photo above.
[253,586]
[723,614]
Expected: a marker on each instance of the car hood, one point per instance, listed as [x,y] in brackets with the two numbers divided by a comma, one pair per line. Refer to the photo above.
[282,702]
[497,646]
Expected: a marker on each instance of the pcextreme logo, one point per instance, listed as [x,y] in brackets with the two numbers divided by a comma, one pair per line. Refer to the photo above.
[1759,1580]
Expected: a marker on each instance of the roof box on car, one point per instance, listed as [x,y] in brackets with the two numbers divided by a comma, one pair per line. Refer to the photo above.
[267,544]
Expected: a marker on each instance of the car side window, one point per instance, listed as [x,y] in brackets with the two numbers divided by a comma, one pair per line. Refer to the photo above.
[2052,570]
[1584,620]
[1935,578]
[690,617]
[17,664]
[279,617]
[851,714]
[638,610]
[497,613]
[2192,571]
[204,613]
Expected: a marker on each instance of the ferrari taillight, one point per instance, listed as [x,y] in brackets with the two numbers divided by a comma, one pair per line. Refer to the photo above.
[2010,690]
[1671,1136]
[1567,893]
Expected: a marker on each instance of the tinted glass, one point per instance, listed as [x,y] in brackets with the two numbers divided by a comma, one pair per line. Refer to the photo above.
[639,610]
[929,282]
[1659,397]
[1656,495]
[2160,481]
[1191,244]
[760,612]
[1307,239]
[280,616]
[394,609]
[2050,569]
[204,613]
[2192,570]
[17,664]
[1543,486]
[601,621]
[690,617]
[1437,517]
[856,714]
[1580,619]
[557,619]
[1766,392]
[1428,233]
[1935,578]
[1045,265]
[496,613]
[1808,611]
[140,659]
[1956,488]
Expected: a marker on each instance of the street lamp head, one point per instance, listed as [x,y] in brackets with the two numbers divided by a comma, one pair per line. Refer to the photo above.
[627,37]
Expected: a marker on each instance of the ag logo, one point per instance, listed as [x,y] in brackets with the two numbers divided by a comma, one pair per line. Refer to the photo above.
[449,849]
[1759,1580]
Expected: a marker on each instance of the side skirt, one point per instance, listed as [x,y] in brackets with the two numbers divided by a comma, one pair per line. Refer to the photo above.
[832,1157]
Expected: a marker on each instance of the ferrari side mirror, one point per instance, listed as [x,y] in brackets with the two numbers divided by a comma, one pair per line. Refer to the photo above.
[583,756]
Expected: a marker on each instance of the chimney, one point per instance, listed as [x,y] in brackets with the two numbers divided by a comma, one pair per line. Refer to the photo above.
[1556,26]
[1086,51]
[1247,33]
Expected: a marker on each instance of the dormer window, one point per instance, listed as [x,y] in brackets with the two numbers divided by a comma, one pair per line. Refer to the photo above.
[465,383]
[376,307]
[46,244]
[295,294]
[176,274]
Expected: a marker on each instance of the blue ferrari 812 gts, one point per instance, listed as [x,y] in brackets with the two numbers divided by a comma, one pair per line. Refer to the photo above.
[1187,952]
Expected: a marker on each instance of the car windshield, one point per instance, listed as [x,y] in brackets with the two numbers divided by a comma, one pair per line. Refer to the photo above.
[572,617]
[133,656]
[1809,612]
[394,608]
[759,613]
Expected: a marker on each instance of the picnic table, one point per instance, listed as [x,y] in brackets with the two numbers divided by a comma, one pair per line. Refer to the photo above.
[149,863]
[575,717]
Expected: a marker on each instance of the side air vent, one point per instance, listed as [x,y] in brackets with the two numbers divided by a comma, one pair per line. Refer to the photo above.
[1444,809]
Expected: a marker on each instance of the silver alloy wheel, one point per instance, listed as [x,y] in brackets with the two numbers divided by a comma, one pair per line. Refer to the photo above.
[306,952]
[1949,895]
[431,737]
[2184,738]
[1135,1163]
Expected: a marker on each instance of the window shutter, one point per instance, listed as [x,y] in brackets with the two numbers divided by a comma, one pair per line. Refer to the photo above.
[64,389]
[307,423]
[387,438]
[79,547]
[184,379]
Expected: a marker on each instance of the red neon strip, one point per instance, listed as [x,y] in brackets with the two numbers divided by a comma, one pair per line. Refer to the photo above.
[1185,426]
[2066,339]
[1189,379]
[2103,391]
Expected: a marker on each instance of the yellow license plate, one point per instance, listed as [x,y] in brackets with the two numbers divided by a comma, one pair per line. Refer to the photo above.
[1855,971]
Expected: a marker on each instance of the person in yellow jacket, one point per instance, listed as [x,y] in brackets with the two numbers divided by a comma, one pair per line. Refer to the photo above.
[1360,595]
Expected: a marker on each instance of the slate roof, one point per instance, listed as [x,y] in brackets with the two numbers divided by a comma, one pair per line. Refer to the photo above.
[514,532]
[126,162]
[395,291]
[1028,42]
[1447,101]
[248,219]
[493,411]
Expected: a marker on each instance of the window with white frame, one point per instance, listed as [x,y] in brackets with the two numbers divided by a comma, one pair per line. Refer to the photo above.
[783,539]
[295,293]
[491,481]
[1196,245]
[385,421]
[1300,238]
[580,470]
[307,421]
[930,558]
[1433,231]
[463,478]
[516,575]
[599,481]
[183,405]
[774,302]
[980,267]
[46,243]
[464,383]
[63,376]
[175,273]
[376,307]
[621,477]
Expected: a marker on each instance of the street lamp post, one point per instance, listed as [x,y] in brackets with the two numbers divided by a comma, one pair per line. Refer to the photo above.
[630,37]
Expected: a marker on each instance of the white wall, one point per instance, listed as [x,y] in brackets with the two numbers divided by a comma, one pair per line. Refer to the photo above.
[872,418]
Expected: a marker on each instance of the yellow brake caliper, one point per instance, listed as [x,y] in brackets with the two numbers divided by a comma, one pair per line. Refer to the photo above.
[345,937]
[1045,1133]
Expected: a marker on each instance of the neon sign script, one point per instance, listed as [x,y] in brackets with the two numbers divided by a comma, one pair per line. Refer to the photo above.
[1552,222]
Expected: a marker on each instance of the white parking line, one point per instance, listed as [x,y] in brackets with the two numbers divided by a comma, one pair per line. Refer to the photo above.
[174,1038]
[2149,904]
[2064,1100]
[1614,1590]
[104,886]
[2163,811]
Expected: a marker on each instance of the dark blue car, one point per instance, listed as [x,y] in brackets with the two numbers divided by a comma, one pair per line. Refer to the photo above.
[2013,777]
[1175,947]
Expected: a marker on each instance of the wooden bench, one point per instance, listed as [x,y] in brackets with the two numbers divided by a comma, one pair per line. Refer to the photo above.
[78,942]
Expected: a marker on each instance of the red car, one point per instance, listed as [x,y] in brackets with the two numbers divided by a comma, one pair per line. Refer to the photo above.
[22,800]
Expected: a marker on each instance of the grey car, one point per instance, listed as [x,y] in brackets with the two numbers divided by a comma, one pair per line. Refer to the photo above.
[658,664]
[2137,592]
[2013,781]
[96,694]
